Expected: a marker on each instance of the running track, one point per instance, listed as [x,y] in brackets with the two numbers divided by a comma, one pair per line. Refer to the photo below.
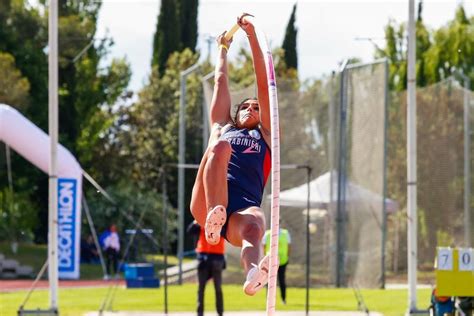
[18,285]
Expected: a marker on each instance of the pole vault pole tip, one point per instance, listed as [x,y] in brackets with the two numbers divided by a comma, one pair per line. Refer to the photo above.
[231,32]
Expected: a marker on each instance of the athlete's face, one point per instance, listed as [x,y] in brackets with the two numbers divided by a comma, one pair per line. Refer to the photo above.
[248,115]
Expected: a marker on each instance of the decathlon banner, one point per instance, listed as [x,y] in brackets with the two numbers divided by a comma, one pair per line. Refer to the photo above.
[69,228]
[33,144]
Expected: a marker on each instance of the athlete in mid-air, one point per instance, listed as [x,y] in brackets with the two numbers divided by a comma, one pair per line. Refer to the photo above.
[229,185]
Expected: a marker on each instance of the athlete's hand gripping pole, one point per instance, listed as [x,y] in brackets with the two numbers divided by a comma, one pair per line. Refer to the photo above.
[235,28]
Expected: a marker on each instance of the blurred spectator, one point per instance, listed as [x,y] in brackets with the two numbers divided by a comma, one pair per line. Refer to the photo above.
[111,245]
[284,247]
[89,253]
[211,263]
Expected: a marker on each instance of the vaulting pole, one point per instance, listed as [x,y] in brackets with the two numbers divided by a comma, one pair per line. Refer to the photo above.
[275,154]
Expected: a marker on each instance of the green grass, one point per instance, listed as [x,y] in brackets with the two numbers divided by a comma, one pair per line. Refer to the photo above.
[35,256]
[30,254]
[182,298]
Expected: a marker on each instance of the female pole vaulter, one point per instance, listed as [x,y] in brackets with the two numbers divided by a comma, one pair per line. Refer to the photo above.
[228,189]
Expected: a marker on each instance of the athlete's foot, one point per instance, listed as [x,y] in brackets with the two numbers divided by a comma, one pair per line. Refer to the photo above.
[214,221]
[257,277]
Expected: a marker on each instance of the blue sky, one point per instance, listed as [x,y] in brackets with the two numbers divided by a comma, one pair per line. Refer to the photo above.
[327,30]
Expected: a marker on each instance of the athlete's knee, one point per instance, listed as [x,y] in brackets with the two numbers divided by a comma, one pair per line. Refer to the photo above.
[198,210]
[221,147]
[253,230]
[220,150]
[199,214]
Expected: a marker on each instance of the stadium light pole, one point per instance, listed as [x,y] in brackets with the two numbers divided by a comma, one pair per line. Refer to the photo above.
[205,115]
[181,161]
[53,133]
[411,162]
[165,236]
[308,220]
[341,182]
[164,188]
[308,239]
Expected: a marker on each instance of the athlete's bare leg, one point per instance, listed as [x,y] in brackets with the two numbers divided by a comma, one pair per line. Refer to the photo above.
[215,174]
[198,198]
[246,229]
[199,206]
[203,194]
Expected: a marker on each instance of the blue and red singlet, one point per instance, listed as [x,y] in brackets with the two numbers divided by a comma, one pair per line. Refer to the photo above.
[248,169]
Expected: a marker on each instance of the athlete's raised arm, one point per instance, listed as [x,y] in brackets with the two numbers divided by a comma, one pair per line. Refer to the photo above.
[260,73]
[220,104]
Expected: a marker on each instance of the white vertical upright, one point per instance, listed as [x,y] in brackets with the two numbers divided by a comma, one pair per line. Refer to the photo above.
[53,170]
[181,160]
[411,161]
[467,163]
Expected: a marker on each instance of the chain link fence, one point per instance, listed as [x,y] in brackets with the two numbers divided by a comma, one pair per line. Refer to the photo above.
[359,170]
[443,153]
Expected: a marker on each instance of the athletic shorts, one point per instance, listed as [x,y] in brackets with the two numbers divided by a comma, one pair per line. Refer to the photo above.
[237,201]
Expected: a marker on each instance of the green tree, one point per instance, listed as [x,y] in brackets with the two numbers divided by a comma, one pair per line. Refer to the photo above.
[167,35]
[98,146]
[136,207]
[86,91]
[153,123]
[452,49]
[23,34]
[423,44]
[84,87]
[289,43]
[440,53]
[396,51]
[18,215]
[14,88]
[188,14]
[88,9]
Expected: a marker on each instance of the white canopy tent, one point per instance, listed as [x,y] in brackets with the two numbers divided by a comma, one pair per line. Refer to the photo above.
[320,194]
[362,234]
